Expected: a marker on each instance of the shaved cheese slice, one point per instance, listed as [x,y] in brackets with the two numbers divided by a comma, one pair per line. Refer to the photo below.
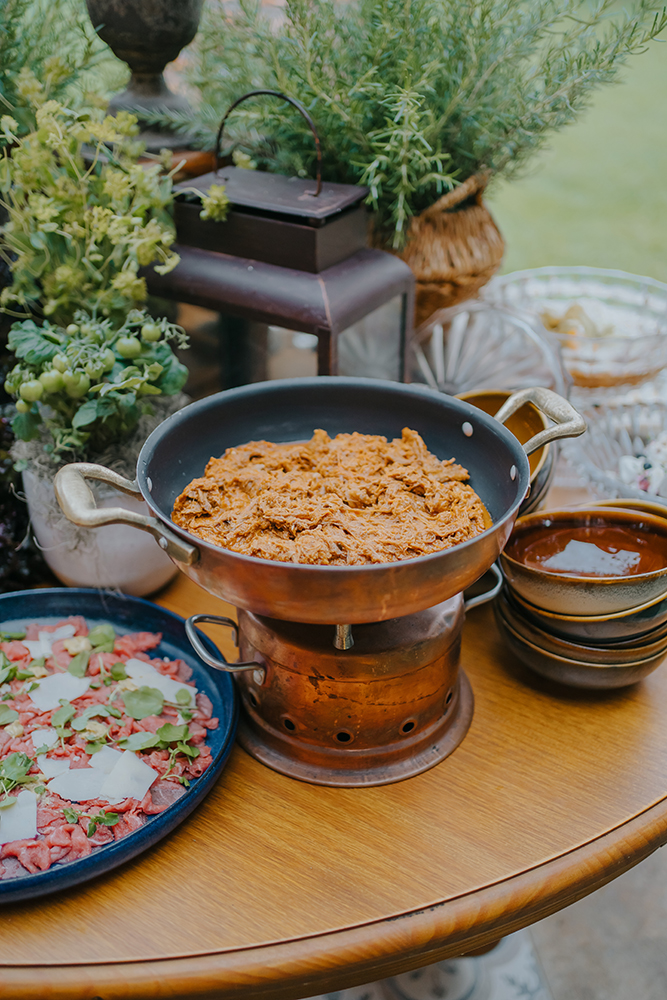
[130,778]
[19,822]
[37,648]
[44,737]
[51,767]
[42,646]
[51,689]
[79,784]
[145,675]
[105,759]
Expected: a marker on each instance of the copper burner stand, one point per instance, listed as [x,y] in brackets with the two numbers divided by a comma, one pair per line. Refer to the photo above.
[393,704]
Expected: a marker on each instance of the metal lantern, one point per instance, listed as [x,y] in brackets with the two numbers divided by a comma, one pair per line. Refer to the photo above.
[289,269]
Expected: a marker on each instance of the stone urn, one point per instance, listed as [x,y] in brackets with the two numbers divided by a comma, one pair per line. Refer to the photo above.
[147,34]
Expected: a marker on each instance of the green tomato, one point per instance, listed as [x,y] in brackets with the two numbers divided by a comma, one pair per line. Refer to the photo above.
[94,369]
[75,390]
[60,363]
[86,329]
[72,330]
[108,360]
[22,406]
[128,347]
[32,390]
[52,380]
[150,332]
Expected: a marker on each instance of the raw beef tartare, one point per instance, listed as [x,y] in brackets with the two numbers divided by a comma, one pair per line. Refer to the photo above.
[95,736]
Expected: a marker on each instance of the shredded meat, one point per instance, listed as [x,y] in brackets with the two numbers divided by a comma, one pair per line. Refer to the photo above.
[348,501]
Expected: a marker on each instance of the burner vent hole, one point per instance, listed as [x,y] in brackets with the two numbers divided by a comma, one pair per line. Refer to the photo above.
[408,726]
[288,724]
[252,698]
[344,737]
[450,695]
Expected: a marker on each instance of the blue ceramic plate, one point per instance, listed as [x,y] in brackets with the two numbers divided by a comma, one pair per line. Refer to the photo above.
[126,614]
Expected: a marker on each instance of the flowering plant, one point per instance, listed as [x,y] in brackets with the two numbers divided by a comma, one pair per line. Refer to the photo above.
[84,218]
[80,229]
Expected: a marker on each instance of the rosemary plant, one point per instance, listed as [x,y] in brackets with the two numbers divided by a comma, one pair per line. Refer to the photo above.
[410,96]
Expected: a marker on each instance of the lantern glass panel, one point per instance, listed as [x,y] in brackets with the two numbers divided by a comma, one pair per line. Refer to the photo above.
[290,354]
[372,346]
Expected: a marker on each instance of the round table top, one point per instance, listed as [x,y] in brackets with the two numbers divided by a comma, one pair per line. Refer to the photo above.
[276,888]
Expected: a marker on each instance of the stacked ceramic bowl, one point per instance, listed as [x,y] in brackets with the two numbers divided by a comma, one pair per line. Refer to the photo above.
[585,595]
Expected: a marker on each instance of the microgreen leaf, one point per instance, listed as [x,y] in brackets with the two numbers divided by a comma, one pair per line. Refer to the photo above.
[143,702]
[71,815]
[10,637]
[170,733]
[183,697]
[79,664]
[101,634]
[139,741]
[7,715]
[188,750]
[118,671]
[14,771]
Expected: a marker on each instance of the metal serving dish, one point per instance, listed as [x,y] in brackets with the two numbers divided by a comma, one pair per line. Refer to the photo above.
[290,410]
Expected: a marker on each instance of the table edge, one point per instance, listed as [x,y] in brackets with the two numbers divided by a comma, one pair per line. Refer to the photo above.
[340,959]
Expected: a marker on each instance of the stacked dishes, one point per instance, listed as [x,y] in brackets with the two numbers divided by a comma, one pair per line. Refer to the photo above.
[585,596]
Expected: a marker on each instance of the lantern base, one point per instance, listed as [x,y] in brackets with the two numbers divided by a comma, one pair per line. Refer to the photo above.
[372,766]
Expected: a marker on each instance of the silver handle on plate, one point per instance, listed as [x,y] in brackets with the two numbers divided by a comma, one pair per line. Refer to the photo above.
[200,649]
[567,421]
[78,505]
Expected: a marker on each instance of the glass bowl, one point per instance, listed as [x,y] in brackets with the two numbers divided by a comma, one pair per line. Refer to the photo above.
[612,326]
[621,440]
[479,345]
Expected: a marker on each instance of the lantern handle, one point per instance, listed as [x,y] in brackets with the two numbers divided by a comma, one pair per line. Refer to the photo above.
[294,103]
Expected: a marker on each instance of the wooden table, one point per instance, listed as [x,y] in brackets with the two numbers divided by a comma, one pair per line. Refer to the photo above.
[279,889]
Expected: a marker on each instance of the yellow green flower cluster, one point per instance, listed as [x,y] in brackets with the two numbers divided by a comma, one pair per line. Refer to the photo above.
[84,215]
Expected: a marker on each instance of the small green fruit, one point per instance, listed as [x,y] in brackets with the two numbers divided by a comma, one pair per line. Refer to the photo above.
[94,369]
[52,380]
[60,363]
[22,406]
[31,391]
[72,330]
[108,360]
[128,347]
[150,332]
[75,390]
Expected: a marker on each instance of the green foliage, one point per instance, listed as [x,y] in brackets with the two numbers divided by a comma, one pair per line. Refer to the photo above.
[409,96]
[48,50]
[91,395]
[79,232]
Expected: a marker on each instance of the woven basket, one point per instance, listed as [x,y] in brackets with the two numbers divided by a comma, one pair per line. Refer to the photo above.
[453,247]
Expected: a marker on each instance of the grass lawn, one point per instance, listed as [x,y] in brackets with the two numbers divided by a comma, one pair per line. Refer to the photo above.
[598,195]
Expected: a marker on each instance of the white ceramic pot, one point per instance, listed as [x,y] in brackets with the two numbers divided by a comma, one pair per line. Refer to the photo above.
[115,556]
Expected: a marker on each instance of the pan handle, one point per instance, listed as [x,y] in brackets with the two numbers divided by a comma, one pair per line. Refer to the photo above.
[567,421]
[218,663]
[78,505]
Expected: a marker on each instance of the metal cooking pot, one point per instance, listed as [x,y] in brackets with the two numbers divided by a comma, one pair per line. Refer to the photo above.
[290,410]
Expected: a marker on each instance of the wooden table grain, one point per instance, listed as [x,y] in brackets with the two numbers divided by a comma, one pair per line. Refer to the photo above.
[278,889]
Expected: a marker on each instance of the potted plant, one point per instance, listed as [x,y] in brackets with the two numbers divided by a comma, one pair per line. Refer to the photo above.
[424,101]
[94,371]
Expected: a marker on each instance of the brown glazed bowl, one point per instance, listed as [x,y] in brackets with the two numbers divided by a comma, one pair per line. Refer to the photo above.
[611,654]
[623,625]
[573,594]
[525,423]
[575,673]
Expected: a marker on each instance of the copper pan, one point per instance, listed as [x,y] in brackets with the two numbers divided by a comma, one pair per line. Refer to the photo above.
[290,410]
